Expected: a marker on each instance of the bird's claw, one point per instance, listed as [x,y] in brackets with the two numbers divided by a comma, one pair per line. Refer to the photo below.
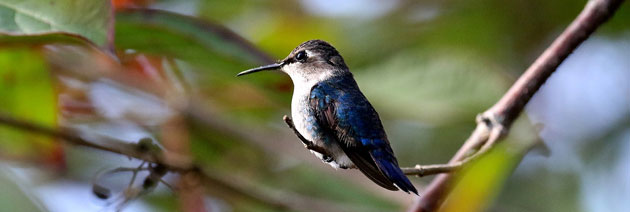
[308,144]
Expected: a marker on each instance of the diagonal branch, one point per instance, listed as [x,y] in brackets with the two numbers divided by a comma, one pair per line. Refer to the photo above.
[119,148]
[493,124]
[142,152]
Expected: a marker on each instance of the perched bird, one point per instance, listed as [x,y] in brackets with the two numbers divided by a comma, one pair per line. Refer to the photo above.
[329,110]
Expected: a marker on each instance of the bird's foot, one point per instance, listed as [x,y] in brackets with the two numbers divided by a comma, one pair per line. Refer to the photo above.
[327,158]
[308,144]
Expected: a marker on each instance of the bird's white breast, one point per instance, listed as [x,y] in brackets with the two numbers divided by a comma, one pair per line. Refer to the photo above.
[300,114]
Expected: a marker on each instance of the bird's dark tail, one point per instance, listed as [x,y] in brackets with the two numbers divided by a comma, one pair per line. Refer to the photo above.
[388,164]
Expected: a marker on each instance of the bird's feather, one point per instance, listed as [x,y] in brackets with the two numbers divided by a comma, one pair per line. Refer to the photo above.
[345,116]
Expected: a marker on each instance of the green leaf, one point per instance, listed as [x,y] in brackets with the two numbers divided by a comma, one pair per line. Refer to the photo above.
[41,39]
[27,93]
[479,184]
[89,19]
[184,37]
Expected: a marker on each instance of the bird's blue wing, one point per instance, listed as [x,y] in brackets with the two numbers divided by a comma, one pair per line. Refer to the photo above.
[344,114]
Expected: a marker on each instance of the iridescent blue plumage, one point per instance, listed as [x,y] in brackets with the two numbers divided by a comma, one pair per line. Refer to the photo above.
[341,113]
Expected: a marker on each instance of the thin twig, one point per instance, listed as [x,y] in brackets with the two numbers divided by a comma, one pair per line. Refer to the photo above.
[135,174]
[488,131]
[130,150]
[508,108]
[248,192]
[63,134]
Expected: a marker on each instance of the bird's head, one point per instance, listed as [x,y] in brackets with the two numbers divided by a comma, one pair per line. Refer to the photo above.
[311,60]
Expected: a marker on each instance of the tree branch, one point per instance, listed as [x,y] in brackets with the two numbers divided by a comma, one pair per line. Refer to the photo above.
[119,148]
[493,124]
[214,180]
[142,152]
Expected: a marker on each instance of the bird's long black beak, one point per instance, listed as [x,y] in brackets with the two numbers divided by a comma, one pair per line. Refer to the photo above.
[275,66]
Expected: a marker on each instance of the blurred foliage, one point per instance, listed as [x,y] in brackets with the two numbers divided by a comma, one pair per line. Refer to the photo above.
[85,18]
[14,197]
[480,182]
[25,82]
[427,66]
[187,38]
[41,39]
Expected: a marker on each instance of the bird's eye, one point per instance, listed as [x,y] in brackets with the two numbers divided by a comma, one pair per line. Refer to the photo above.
[301,56]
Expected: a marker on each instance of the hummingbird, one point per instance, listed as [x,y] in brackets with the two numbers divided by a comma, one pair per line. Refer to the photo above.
[330,111]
